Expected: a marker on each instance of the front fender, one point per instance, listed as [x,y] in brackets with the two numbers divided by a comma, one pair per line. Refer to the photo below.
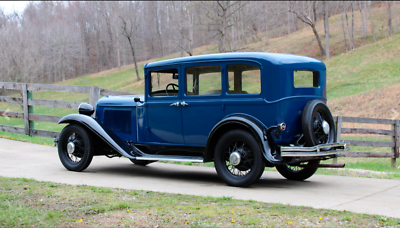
[101,131]
[251,124]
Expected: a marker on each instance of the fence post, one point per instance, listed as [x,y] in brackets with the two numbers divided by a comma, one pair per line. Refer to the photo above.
[94,96]
[26,110]
[338,135]
[395,148]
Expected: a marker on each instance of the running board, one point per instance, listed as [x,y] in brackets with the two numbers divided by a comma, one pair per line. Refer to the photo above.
[148,157]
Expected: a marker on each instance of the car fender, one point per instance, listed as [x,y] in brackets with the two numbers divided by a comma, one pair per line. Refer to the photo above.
[249,123]
[101,131]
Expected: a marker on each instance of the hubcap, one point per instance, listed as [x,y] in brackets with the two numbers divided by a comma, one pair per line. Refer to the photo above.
[70,147]
[325,127]
[234,158]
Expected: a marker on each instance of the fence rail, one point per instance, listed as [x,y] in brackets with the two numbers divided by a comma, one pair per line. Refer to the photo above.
[94,95]
[393,144]
[28,103]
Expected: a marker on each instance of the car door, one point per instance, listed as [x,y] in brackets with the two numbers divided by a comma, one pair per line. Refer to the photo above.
[202,107]
[164,115]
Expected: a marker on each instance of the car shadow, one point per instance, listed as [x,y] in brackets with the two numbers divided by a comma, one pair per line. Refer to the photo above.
[194,175]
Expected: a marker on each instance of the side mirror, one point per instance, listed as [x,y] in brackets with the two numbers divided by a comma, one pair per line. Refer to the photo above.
[175,76]
[136,99]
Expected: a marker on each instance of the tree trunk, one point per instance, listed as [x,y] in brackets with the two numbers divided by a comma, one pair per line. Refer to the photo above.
[348,33]
[326,20]
[321,48]
[266,24]
[223,30]
[344,33]
[389,18]
[352,24]
[134,59]
[372,23]
[161,49]
[395,17]
[363,21]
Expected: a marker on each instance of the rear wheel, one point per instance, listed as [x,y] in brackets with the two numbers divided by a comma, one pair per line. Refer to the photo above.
[75,148]
[297,173]
[238,159]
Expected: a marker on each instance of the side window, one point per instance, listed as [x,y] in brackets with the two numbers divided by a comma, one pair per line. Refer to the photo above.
[203,80]
[306,78]
[164,83]
[244,79]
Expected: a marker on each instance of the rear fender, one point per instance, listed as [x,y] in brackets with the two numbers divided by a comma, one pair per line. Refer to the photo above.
[259,131]
[102,132]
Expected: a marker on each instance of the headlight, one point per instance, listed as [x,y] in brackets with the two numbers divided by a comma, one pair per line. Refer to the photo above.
[86,109]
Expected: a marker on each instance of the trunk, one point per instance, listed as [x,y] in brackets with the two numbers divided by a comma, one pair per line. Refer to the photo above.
[389,18]
[118,50]
[372,23]
[134,59]
[348,32]
[191,28]
[288,18]
[321,48]
[223,38]
[395,17]
[161,49]
[344,33]
[266,24]
[352,25]
[363,21]
[326,20]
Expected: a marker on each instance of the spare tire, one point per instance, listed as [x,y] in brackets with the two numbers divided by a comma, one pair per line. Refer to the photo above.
[317,123]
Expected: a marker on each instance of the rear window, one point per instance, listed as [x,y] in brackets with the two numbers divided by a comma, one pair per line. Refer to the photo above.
[306,78]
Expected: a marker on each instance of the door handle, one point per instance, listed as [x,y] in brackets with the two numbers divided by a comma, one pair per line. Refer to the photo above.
[174,104]
[184,103]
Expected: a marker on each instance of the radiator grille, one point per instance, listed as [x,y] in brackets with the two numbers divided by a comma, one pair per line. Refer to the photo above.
[118,120]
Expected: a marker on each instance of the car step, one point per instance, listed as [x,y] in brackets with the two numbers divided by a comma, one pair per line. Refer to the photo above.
[149,157]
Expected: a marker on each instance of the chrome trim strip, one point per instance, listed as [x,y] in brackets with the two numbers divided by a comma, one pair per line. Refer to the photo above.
[292,151]
[170,158]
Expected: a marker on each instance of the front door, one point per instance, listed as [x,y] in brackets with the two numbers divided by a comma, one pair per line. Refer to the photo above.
[164,114]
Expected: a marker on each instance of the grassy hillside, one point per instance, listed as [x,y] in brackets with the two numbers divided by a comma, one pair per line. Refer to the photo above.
[368,69]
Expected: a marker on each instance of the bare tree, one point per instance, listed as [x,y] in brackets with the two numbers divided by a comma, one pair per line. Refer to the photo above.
[371,21]
[326,23]
[344,33]
[363,18]
[395,17]
[129,26]
[310,20]
[389,18]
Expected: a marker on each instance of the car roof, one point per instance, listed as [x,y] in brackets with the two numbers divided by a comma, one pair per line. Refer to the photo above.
[273,58]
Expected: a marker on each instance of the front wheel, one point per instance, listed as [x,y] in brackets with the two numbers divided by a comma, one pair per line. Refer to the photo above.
[75,148]
[238,159]
[298,173]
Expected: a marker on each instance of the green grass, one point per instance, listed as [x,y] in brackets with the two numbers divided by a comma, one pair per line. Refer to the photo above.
[25,203]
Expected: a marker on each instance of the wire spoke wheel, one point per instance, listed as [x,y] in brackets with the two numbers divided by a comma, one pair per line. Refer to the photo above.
[246,158]
[75,148]
[238,159]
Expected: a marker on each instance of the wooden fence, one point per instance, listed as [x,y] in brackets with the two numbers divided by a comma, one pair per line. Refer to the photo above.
[94,95]
[393,133]
[28,102]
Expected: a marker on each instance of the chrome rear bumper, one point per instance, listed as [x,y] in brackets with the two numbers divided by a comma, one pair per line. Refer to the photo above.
[319,150]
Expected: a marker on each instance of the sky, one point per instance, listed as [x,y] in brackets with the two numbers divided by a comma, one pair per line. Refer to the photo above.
[9,6]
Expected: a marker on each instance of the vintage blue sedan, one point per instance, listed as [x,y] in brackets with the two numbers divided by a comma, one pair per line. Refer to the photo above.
[242,111]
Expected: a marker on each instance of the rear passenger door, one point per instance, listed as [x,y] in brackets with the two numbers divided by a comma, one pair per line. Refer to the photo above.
[202,106]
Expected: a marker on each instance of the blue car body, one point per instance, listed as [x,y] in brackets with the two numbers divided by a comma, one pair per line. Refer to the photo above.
[184,121]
